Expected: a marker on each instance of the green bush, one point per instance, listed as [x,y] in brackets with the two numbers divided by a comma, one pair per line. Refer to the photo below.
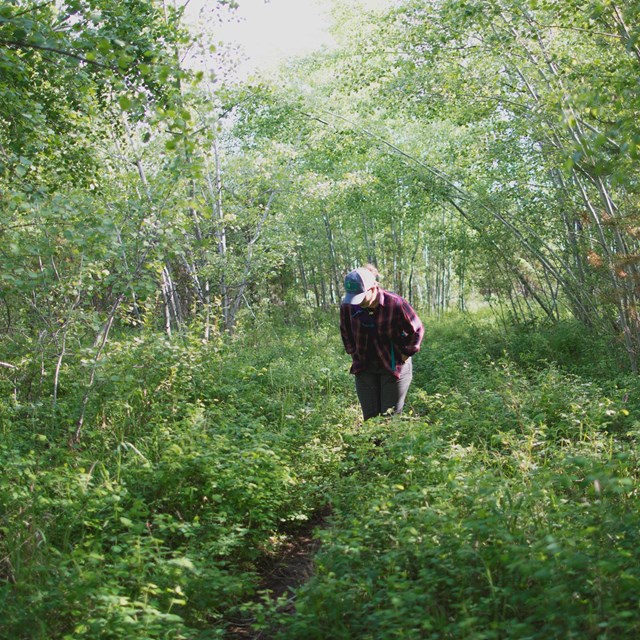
[505,507]
[503,504]
[193,460]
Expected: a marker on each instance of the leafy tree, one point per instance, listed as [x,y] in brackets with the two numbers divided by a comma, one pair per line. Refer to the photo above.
[77,78]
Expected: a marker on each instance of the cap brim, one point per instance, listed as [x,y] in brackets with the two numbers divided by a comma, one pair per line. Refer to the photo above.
[354,298]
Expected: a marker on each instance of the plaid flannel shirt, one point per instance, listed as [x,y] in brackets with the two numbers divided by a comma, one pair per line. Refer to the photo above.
[394,328]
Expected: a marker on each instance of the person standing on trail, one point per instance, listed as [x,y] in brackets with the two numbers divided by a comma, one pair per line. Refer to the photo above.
[381,332]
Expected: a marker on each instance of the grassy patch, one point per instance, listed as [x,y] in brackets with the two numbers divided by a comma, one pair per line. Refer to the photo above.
[504,503]
[506,506]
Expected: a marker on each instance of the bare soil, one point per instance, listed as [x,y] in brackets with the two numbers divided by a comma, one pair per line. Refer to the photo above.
[284,572]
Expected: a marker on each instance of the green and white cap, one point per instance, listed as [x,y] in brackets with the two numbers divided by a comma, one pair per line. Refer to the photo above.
[357,283]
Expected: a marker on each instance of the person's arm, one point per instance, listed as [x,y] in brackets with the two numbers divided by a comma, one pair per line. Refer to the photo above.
[412,331]
[345,329]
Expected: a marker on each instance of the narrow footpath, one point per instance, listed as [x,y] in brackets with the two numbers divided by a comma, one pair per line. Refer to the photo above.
[284,573]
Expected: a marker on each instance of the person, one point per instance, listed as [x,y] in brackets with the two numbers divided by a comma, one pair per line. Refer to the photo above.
[381,332]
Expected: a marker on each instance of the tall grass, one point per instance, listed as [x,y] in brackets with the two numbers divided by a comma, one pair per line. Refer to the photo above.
[505,507]
[502,504]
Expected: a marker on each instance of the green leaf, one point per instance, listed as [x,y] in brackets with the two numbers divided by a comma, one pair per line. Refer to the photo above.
[124,102]
[124,62]
[104,46]
[184,562]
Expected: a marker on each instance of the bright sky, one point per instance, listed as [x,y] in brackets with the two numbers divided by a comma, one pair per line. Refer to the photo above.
[270,30]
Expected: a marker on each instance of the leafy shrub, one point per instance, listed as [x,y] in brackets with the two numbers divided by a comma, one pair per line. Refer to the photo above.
[502,504]
[193,459]
[504,508]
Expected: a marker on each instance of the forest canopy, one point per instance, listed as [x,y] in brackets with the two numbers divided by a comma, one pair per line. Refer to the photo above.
[473,150]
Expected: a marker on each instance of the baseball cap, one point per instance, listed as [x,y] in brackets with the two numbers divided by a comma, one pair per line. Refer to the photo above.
[357,283]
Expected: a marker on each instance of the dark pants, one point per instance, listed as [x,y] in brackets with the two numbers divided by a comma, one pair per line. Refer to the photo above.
[378,391]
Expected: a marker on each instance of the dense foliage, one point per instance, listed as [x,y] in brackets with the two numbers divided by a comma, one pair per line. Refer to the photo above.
[469,147]
[507,507]
[472,150]
[174,401]
[504,503]
[196,463]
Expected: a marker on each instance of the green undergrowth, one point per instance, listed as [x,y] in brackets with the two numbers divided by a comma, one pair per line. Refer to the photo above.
[195,462]
[503,504]
[506,506]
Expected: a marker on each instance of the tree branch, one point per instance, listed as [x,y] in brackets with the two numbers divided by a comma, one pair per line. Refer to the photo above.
[29,45]
[31,9]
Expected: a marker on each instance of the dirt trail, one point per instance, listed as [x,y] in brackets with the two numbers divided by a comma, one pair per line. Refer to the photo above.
[291,568]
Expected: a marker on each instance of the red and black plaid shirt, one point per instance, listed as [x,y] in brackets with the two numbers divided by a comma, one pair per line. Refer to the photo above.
[389,331]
